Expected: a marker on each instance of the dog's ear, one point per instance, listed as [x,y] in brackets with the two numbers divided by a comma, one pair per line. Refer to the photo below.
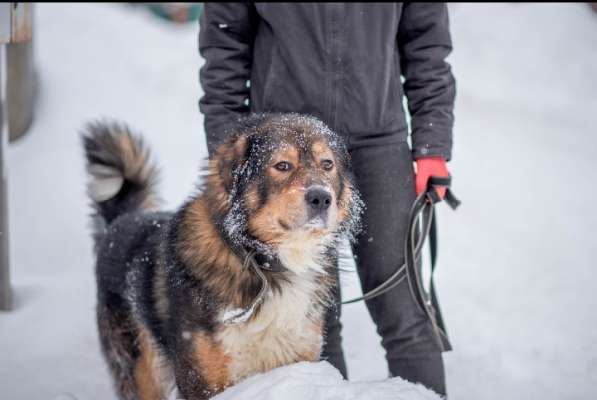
[222,165]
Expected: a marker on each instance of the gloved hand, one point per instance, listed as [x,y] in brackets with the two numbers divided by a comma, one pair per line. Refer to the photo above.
[426,167]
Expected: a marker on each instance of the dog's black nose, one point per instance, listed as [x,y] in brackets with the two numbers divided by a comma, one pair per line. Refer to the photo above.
[318,199]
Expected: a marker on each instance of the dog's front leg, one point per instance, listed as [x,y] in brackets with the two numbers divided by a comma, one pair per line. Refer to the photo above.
[201,367]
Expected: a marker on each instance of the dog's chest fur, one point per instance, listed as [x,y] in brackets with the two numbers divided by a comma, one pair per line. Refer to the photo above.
[287,327]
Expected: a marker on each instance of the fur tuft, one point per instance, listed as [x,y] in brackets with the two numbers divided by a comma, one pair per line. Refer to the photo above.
[121,176]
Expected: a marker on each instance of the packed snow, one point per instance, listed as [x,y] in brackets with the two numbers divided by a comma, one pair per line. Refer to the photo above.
[516,274]
[320,380]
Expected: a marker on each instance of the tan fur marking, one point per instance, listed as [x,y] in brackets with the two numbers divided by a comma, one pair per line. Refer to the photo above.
[213,362]
[321,151]
[343,207]
[138,167]
[207,255]
[287,206]
[146,376]
[203,234]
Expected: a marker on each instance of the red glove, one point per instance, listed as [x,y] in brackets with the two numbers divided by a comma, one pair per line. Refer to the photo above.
[433,166]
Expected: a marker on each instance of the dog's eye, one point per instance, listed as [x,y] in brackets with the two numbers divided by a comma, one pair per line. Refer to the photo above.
[327,165]
[282,166]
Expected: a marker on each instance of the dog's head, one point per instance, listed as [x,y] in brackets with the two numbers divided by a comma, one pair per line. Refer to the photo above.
[282,178]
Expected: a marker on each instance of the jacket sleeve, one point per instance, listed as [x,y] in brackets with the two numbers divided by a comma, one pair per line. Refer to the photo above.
[225,42]
[424,43]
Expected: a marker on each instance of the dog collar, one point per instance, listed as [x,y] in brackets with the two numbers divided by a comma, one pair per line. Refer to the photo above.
[268,263]
[258,262]
[262,261]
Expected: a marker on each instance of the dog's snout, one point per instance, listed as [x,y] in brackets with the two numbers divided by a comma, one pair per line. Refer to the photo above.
[319,199]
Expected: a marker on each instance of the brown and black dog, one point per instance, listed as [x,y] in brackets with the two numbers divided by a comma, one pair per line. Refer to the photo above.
[236,281]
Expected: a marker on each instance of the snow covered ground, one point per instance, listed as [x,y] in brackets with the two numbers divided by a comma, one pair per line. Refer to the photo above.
[516,275]
[321,380]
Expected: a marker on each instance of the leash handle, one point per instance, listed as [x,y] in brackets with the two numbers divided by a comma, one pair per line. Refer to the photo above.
[427,301]
[434,197]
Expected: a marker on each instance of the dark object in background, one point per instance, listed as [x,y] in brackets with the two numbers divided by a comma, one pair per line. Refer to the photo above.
[593,6]
[176,12]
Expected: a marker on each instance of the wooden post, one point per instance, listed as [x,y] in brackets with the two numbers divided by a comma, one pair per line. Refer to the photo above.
[15,26]
[5,290]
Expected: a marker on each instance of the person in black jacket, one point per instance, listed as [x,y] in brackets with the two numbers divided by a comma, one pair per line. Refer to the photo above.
[343,63]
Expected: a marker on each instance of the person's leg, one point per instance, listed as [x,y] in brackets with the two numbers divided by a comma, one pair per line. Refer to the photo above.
[385,178]
[332,347]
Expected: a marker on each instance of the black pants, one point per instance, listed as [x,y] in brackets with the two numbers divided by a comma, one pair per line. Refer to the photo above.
[385,178]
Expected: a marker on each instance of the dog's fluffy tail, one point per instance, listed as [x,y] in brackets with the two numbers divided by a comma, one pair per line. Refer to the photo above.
[121,176]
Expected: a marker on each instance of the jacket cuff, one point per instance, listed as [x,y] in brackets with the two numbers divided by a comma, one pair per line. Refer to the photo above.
[428,143]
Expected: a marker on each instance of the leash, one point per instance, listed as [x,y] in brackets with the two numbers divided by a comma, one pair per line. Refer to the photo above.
[423,209]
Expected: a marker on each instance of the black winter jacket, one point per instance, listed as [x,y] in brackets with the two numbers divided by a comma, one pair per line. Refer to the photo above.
[341,62]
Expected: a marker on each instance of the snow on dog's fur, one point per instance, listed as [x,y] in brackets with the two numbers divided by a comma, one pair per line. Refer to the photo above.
[279,186]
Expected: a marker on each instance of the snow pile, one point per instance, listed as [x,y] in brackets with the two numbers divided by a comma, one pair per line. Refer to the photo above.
[321,381]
